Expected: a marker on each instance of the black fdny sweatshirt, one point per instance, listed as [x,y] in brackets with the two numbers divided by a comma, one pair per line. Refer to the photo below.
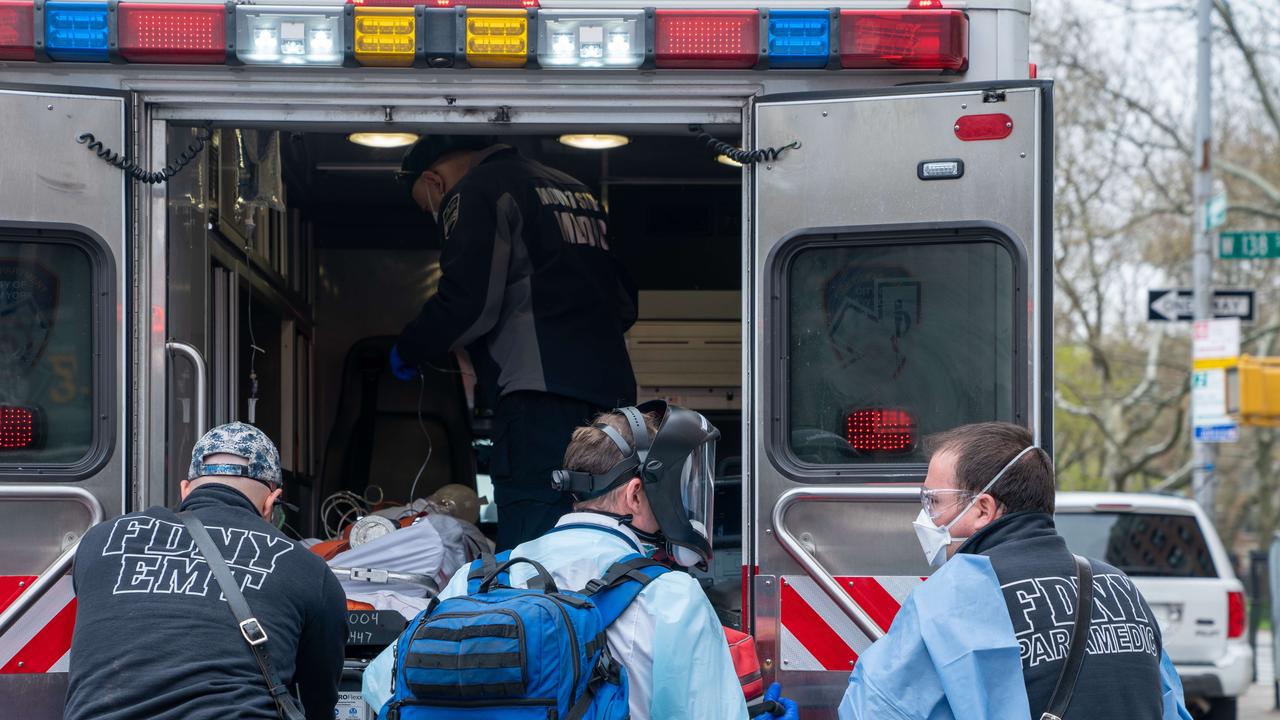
[1121,672]
[529,282]
[153,638]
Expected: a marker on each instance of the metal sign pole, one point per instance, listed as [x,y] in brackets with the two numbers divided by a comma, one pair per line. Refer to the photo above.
[1203,482]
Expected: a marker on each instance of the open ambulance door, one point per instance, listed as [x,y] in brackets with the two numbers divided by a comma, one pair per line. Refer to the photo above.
[63,420]
[900,287]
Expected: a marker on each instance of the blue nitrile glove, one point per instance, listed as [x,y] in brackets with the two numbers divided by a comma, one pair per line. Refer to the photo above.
[401,369]
[785,707]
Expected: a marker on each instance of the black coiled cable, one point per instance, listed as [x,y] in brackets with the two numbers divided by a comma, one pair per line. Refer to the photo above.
[151,178]
[737,154]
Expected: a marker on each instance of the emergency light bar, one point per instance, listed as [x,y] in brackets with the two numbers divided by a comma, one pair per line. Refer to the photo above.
[587,39]
[483,34]
[17,30]
[289,35]
[194,34]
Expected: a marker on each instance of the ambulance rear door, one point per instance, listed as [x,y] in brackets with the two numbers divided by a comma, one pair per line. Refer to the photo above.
[900,287]
[63,420]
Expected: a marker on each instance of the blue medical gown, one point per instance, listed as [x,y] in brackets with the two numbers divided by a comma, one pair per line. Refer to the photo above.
[951,653]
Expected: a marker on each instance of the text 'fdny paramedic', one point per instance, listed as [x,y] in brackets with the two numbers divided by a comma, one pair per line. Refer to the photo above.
[530,288]
[643,482]
[990,635]
[154,638]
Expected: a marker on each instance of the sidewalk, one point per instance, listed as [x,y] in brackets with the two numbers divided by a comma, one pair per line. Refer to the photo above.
[1259,702]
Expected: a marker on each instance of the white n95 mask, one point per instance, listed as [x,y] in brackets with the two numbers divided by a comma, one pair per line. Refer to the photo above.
[935,540]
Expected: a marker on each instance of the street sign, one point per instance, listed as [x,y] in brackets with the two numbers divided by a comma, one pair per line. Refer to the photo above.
[1215,339]
[1215,212]
[1248,245]
[1209,419]
[1175,304]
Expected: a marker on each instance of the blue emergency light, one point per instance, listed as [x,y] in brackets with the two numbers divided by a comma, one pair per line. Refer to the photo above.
[799,38]
[76,31]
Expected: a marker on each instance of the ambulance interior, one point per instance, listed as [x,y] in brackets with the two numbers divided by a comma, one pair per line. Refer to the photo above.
[295,258]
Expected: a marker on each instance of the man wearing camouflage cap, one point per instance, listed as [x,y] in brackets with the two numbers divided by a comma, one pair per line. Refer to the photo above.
[155,639]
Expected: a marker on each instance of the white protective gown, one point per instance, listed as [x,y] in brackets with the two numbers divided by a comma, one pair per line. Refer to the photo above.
[669,639]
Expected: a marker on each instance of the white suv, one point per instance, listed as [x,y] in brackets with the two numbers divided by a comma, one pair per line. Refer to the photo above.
[1170,549]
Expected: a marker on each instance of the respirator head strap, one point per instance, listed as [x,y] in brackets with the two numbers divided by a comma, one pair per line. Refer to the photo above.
[585,485]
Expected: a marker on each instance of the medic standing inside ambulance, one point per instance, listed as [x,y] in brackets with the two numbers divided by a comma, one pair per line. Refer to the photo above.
[530,288]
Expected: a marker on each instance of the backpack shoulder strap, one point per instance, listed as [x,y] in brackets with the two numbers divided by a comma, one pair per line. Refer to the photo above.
[614,591]
[482,566]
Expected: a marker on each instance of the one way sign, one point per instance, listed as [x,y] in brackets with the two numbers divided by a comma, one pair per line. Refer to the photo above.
[1173,305]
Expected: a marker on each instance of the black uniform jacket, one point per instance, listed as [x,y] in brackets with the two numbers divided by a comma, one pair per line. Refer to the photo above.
[153,638]
[528,276]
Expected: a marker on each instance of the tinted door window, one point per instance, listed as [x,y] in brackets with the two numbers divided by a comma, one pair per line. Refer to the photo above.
[1140,544]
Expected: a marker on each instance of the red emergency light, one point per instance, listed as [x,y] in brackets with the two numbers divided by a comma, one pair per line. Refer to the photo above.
[926,39]
[880,430]
[17,427]
[17,30]
[180,34]
[707,39]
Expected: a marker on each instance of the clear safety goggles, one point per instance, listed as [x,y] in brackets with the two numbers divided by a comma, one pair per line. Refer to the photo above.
[935,501]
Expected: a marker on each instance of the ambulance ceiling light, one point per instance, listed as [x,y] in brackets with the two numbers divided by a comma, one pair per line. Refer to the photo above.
[182,34]
[594,141]
[383,139]
[17,30]
[726,160]
[289,35]
[578,39]
[76,31]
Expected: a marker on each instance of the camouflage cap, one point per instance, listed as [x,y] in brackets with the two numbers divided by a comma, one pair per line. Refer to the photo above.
[242,440]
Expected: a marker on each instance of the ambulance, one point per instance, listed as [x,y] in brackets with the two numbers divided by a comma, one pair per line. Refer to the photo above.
[838,218]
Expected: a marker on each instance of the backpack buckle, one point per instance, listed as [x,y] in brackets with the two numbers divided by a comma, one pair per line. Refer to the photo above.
[594,586]
[253,632]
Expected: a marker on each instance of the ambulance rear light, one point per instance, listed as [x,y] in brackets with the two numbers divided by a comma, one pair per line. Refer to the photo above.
[709,39]
[904,39]
[77,31]
[17,30]
[285,35]
[587,39]
[799,38]
[18,427]
[880,430]
[385,36]
[186,34]
[986,126]
[495,4]
[497,38]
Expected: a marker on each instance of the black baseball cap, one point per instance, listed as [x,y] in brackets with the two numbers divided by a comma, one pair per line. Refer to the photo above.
[431,148]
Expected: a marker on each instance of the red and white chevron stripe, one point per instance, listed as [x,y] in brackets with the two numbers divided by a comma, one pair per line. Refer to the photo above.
[40,641]
[815,635]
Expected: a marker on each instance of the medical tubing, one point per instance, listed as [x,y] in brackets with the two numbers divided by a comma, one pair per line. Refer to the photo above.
[737,154]
[151,178]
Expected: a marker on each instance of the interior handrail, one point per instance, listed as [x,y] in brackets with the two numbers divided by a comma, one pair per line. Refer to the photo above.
[811,566]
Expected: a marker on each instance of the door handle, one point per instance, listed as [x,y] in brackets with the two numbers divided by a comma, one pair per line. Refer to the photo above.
[811,566]
[202,383]
[62,563]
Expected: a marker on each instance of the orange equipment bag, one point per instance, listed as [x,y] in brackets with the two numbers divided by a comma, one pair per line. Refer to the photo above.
[746,663]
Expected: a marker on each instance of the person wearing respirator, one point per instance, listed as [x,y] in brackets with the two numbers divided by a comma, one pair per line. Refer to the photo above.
[643,482]
[987,636]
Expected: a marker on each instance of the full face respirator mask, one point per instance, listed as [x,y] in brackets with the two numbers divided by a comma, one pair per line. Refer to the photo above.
[676,465]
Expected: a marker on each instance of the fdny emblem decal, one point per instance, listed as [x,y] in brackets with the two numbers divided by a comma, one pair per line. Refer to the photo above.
[28,301]
[449,218]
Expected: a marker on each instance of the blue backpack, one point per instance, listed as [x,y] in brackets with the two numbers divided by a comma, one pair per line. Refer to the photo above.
[505,653]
